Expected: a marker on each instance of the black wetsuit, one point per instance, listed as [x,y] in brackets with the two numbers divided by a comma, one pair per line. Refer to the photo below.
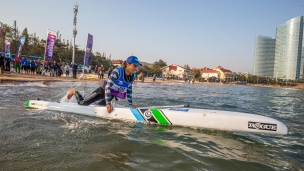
[97,96]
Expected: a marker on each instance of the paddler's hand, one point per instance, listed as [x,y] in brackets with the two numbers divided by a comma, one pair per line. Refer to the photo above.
[109,108]
[133,106]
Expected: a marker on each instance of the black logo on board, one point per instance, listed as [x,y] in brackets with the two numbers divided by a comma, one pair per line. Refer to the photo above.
[262,126]
[147,114]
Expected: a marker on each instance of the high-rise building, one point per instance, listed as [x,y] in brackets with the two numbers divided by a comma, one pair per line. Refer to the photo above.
[289,60]
[263,61]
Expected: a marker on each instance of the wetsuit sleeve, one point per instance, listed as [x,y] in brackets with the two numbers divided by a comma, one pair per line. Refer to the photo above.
[113,77]
[129,95]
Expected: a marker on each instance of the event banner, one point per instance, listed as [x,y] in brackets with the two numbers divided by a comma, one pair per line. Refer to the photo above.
[50,44]
[8,47]
[20,45]
[88,50]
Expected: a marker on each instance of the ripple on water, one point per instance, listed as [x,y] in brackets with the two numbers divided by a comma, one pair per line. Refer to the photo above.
[37,140]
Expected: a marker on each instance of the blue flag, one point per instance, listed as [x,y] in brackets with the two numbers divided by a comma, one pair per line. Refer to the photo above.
[20,45]
[88,50]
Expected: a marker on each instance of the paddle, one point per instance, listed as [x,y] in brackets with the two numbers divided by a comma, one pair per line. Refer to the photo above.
[160,107]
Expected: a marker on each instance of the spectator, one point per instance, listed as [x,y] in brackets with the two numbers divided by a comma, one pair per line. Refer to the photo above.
[38,67]
[56,68]
[28,66]
[100,73]
[63,64]
[154,77]
[59,69]
[96,69]
[67,70]
[110,71]
[7,63]
[45,65]
[1,62]
[52,68]
[74,67]
[17,63]
[136,76]
[142,77]
[23,64]
[33,66]
[90,69]
[38,70]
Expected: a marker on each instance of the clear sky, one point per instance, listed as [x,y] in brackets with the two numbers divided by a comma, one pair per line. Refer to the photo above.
[200,33]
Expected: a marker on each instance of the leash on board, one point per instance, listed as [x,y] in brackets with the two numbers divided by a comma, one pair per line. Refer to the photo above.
[61,94]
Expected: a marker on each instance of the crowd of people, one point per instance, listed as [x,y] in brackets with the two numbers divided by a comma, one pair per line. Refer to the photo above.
[5,63]
[100,71]
[26,65]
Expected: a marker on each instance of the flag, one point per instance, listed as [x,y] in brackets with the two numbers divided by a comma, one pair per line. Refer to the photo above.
[20,45]
[8,47]
[50,44]
[88,50]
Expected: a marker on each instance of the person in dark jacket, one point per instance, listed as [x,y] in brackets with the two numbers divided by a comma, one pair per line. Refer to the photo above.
[52,68]
[110,71]
[7,63]
[74,68]
[1,62]
[23,64]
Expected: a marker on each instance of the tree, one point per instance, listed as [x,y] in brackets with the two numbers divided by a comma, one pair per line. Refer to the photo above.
[157,66]
[145,69]
[99,60]
[187,67]
[197,73]
[6,35]
[33,46]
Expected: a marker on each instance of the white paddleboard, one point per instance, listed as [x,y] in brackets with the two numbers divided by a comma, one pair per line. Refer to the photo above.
[199,118]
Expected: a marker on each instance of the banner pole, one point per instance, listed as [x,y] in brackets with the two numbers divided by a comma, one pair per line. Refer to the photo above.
[47,34]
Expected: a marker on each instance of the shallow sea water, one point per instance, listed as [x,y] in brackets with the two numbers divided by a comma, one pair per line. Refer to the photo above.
[50,140]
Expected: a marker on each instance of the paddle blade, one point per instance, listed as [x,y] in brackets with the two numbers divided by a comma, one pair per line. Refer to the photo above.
[71,93]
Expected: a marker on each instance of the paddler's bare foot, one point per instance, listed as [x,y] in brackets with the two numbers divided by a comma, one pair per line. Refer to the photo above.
[71,93]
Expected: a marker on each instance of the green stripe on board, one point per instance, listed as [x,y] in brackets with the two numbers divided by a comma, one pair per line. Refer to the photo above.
[159,117]
[27,104]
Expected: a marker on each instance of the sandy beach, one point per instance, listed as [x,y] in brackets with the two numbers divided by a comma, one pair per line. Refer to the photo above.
[12,76]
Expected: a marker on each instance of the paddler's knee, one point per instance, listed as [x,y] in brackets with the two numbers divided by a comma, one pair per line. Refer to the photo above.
[100,90]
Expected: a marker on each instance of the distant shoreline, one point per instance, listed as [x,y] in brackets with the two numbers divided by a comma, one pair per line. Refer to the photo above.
[12,76]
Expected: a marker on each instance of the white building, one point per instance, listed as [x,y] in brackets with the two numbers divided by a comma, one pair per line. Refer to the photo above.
[176,71]
[208,73]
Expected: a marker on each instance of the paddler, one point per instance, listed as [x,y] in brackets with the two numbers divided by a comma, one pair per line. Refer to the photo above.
[119,85]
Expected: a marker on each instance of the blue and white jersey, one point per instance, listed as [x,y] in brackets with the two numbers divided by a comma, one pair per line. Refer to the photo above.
[120,86]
